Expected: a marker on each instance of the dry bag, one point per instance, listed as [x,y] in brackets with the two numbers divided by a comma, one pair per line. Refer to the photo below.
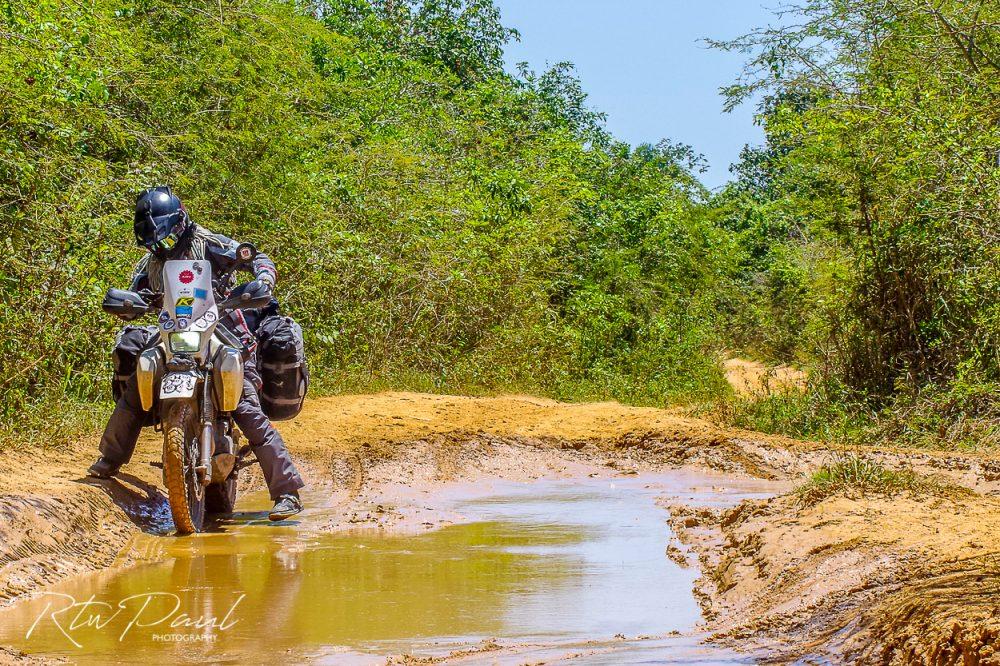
[281,359]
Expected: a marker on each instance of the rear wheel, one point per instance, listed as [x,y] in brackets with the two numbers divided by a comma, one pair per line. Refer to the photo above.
[184,490]
[221,497]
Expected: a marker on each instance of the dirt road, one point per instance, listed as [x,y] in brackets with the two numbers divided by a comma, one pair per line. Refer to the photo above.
[905,579]
[755,378]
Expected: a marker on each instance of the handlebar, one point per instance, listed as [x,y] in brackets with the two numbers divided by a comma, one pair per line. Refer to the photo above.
[131,305]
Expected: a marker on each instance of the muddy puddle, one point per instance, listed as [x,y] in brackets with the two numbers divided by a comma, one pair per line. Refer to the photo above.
[552,569]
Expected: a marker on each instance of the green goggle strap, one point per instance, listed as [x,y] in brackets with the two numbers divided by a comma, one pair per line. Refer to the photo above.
[165,244]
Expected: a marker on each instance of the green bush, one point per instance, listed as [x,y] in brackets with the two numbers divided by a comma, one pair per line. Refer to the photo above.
[437,223]
[961,415]
[802,414]
[868,218]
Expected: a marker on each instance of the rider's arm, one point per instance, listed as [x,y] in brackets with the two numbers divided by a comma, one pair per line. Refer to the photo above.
[224,250]
[264,270]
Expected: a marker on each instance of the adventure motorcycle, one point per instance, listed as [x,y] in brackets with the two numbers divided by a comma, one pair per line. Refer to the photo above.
[191,378]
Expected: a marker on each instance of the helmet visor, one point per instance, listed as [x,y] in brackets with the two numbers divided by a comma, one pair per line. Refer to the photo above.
[165,244]
[161,233]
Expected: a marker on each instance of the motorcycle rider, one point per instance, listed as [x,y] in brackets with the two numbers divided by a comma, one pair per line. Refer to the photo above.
[164,228]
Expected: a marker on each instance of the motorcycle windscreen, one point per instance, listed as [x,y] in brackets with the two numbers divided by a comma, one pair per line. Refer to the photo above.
[187,295]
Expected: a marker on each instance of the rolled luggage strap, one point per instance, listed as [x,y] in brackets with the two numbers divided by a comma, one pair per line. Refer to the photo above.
[280,367]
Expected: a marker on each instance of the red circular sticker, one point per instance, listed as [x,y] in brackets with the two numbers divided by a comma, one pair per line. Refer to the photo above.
[186,277]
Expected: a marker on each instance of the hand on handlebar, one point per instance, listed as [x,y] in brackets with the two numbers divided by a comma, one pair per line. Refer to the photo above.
[255,288]
[248,296]
[154,299]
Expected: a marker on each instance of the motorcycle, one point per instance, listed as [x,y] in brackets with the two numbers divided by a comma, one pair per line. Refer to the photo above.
[191,379]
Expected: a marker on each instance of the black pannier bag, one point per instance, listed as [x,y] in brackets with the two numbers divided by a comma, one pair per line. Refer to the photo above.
[129,342]
[281,359]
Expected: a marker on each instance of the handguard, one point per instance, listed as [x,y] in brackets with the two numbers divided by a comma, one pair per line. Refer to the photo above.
[125,304]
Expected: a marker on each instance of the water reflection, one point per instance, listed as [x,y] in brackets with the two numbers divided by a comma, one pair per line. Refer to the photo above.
[322,590]
[550,560]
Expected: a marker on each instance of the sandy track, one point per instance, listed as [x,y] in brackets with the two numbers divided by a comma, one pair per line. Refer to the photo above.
[882,580]
[754,378]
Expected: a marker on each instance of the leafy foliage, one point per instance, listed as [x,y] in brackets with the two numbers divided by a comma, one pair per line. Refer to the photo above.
[436,223]
[443,225]
[465,37]
[870,214]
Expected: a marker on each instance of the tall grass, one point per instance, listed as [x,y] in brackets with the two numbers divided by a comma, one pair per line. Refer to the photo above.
[853,473]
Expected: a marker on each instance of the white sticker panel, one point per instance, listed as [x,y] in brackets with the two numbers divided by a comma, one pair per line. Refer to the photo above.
[178,385]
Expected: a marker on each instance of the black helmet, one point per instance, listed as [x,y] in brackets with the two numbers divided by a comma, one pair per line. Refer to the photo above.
[160,220]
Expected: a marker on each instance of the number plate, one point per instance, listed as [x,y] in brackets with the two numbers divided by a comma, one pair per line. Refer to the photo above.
[178,385]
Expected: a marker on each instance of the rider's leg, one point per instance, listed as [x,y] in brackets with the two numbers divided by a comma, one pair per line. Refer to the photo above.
[279,470]
[124,426]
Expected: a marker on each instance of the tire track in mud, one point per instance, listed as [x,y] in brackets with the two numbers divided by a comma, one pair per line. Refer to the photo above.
[80,528]
[944,617]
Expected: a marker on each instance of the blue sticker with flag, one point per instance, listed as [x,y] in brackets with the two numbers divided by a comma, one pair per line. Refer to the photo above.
[183,310]
[201,293]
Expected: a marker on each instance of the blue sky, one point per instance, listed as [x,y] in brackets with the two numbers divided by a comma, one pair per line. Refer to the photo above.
[642,63]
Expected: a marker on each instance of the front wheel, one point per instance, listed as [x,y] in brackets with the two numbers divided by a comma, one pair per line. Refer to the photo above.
[184,490]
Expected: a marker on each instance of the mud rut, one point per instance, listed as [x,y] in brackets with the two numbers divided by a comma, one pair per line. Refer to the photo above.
[867,579]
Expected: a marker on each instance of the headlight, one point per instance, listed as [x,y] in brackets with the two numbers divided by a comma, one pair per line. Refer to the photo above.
[188,341]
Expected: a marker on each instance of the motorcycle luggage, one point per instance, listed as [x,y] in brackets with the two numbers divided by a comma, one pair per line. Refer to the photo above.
[129,342]
[283,369]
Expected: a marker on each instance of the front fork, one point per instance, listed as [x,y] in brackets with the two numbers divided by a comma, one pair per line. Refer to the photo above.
[207,440]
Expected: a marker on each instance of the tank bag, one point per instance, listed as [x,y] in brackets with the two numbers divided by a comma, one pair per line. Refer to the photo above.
[283,369]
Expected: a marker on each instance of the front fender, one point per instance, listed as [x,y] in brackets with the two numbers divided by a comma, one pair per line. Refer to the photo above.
[148,373]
